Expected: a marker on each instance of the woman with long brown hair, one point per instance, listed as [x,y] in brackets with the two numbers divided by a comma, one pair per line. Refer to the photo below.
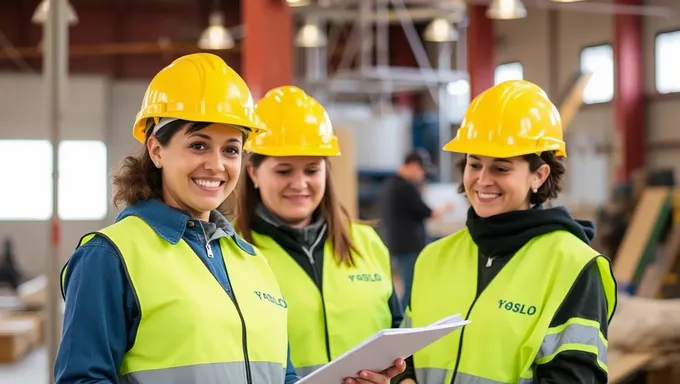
[334,273]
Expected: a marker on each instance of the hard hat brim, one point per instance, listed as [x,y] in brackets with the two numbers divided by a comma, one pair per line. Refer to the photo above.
[282,151]
[499,151]
[139,130]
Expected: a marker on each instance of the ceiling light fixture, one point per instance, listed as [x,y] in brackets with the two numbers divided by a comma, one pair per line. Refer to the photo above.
[440,30]
[506,10]
[216,36]
[311,36]
[40,14]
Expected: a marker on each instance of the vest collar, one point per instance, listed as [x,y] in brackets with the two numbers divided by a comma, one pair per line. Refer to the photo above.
[169,222]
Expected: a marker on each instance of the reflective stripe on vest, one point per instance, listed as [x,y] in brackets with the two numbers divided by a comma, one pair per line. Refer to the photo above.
[513,313]
[191,330]
[217,373]
[355,299]
[438,376]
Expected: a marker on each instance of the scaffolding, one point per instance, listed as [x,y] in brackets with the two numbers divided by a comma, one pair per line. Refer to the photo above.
[373,78]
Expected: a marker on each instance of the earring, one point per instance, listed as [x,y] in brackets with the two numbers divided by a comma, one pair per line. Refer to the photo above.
[157,164]
[256,186]
[535,190]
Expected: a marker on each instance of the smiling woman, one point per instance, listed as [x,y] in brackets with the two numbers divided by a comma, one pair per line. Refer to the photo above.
[191,166]
[525,276]
[334,273]
[170,293]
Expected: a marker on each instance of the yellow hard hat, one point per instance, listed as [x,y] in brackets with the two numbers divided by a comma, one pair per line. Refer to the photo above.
[198,87]
[297,125]
[510,119]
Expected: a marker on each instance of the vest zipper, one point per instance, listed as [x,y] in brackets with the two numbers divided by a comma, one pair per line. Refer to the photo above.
[467,316]
[310,255]
[207,242]
[244,337]
[232,296]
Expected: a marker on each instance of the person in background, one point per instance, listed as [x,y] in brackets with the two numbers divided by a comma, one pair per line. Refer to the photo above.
[334,273]
[538,296]
[403,213]
[170,293]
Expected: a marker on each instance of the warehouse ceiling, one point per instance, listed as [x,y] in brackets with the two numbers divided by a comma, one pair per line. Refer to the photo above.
[140,29]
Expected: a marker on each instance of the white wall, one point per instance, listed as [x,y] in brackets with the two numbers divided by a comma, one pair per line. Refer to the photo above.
[97,109]
[382,138]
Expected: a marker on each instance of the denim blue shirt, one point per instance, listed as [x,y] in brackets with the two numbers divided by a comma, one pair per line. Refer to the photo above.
[102,315]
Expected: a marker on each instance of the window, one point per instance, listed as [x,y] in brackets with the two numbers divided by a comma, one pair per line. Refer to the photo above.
[459,100]
[26,174]
[26,170]
[82,180]
[598,60]
[508,71]
[667,62]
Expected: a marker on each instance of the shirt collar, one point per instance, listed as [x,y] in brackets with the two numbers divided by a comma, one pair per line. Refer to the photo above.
[169,223]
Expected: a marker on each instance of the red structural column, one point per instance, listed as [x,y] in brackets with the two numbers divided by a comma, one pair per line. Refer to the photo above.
[267,59]
[480,49]
[629,91]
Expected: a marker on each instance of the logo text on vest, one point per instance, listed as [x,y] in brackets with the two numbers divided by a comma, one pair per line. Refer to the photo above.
[365,277]
[517,307]
[265,296]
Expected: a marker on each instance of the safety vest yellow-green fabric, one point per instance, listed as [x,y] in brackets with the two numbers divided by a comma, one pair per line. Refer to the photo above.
[190,331]
[352,306]
[509,333]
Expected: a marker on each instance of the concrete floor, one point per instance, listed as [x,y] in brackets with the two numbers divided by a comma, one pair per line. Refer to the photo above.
[32,369]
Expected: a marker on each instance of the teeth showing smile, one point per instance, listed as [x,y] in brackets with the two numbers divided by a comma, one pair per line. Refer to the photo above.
[208,183]
[488,195]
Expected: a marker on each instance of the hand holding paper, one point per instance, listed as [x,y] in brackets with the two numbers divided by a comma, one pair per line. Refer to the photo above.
[380,351]
[369,377]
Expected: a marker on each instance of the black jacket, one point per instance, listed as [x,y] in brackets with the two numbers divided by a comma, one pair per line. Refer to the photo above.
[291,241]
[499,237]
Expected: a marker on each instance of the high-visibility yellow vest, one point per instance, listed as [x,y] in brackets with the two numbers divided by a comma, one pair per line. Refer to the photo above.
[510,332]
[191,331]
[352,306]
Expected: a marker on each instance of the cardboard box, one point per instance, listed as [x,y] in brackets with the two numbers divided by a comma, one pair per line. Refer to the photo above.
[18,335]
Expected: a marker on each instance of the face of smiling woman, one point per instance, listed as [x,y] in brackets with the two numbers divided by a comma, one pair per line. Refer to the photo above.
[494,185]
[200,168]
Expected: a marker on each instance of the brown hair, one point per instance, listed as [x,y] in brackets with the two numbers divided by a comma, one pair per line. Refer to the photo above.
[335,215]
[136,178]
[552,186]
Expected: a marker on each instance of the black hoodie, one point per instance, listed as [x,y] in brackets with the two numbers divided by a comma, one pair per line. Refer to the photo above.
[498,238]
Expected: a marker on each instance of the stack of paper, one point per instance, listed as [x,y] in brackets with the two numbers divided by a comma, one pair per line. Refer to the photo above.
[379,351]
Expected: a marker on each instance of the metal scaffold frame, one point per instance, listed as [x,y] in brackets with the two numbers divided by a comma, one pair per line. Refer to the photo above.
[370,20]
[377,79]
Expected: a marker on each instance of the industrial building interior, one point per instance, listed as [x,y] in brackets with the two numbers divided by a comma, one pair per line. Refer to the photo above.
[394,75]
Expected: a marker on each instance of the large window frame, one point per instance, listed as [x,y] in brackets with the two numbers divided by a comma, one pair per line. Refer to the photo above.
[513,70]
[667,61]
[598,60]
[28,164]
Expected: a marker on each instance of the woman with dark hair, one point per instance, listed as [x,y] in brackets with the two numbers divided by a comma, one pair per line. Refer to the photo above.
[538,296]
[334,273]
[170,293]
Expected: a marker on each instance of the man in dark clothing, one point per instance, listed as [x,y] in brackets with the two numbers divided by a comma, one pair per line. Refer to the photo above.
[403,215]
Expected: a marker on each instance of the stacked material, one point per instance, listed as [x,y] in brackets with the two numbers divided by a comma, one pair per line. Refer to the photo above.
[647,325]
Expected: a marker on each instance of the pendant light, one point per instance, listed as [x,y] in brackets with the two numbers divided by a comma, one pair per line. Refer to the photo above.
[216,36]
[40,14]
[506,10]
[440,30]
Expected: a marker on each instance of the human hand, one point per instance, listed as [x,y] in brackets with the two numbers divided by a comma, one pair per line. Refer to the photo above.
[369,377]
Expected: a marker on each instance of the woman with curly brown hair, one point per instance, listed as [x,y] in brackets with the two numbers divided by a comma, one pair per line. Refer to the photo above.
[538,296]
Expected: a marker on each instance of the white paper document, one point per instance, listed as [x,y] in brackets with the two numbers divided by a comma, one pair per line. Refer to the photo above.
[379,351]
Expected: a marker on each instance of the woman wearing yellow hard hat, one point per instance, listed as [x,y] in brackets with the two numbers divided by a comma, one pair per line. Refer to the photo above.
[334,274]
[539,297]
[170,293]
